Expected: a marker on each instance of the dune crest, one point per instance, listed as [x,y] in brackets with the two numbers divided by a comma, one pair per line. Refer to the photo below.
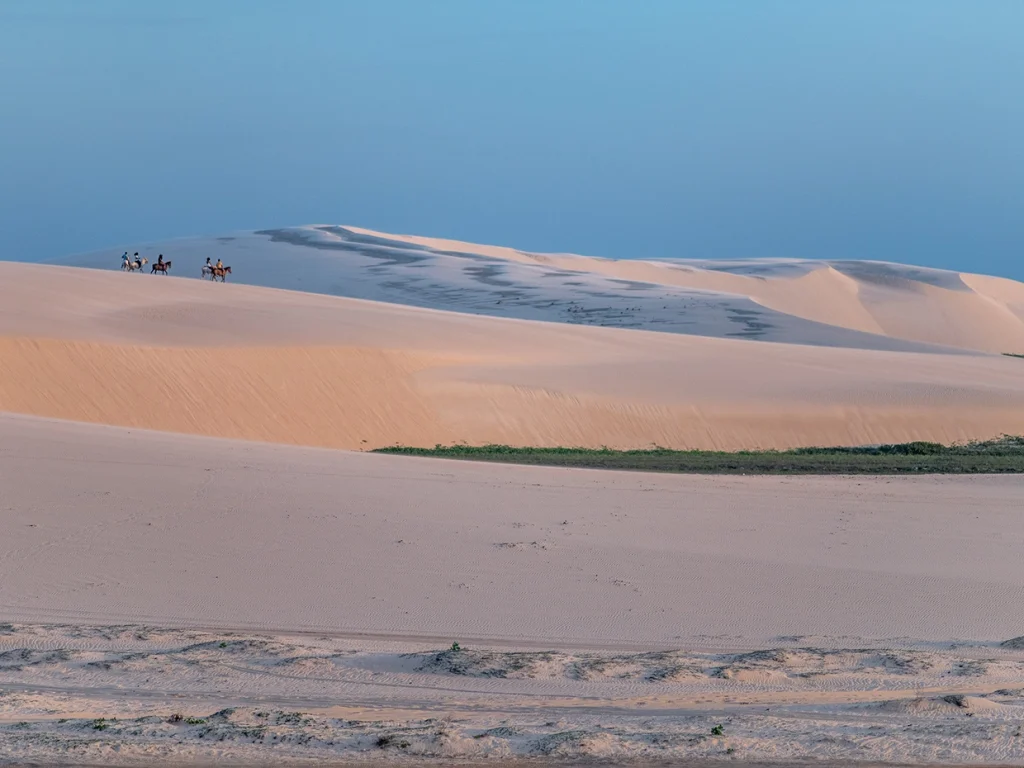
[278,366]
[835,303]
[973,311]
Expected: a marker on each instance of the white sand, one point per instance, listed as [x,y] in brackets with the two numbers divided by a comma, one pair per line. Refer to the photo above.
[103,525]
[138,695]
[873,305]
[929,305]
[315,571]
[294,603]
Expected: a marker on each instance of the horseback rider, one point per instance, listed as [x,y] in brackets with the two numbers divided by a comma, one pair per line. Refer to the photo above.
[137,260]
[220,264]
[124,260]
[160,259]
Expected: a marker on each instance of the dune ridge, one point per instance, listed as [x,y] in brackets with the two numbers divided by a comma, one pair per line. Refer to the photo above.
[262,364]
[859,304]
[922,304]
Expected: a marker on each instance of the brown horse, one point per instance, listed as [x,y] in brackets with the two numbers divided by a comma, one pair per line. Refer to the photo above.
[160,266]
[221,272]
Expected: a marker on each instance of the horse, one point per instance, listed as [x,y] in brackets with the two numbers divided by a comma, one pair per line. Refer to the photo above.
[221,272]
[160,266]
[135,266]
[207,271]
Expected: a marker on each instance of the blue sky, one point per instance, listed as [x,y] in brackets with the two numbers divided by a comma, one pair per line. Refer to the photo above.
[662,128]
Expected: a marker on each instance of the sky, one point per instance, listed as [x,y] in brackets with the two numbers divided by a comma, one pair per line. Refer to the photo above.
[658,129]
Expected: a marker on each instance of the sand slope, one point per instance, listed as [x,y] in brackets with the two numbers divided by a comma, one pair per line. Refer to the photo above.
[107,526]
[873,305]
[238,361]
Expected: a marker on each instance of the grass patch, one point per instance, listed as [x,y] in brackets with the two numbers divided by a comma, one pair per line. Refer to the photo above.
[1002,455]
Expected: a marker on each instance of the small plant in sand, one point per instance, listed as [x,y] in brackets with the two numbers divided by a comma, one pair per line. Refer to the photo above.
[455,648]
[100,724]
[389,740]
[718,730]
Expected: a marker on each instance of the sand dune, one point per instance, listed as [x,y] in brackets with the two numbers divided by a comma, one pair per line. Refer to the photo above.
[866,304]
[108,526]
[246,362]
[922,304]
[171,598]
[234,592]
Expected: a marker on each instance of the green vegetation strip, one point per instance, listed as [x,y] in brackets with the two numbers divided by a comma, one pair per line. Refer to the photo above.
[1002,455]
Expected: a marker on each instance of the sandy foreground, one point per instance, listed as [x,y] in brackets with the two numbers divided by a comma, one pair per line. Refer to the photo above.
[239,361]
[295,603]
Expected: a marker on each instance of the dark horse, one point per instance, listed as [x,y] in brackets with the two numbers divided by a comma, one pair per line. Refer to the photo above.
[160,266]
[221,272]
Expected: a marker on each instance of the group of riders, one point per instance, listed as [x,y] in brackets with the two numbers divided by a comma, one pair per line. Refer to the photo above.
[211,270]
